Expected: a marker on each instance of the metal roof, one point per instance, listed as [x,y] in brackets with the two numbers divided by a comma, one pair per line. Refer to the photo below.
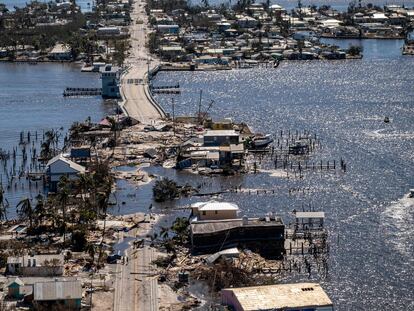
[212,226]
[281,296]
[57,290]
[215,206]
[73,165]
[310,215]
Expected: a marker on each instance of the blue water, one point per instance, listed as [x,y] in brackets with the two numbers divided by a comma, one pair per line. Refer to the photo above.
[85,5]
[340,5]
[370,221]
[31,99]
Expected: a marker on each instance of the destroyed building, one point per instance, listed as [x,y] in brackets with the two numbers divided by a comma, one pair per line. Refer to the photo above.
[216,226]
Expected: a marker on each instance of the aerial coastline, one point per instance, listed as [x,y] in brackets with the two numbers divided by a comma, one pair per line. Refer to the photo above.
[190,130]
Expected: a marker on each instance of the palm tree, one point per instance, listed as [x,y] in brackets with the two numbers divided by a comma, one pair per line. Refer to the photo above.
[63,198]
[39,209]
[4,205]
[25,210]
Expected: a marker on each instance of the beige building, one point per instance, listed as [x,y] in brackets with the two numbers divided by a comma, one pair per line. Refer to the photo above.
[298,297]
[213,210]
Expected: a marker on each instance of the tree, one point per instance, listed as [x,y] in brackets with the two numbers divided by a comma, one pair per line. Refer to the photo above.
[63,199]
[39,209]
[354,50]
[25,211]
[165,189]
[4,205]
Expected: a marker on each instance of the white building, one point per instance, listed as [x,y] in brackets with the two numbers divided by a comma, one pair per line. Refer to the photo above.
[298,297]
[110,81]
[214,210]
[60,166]
[60,52]
[37,265]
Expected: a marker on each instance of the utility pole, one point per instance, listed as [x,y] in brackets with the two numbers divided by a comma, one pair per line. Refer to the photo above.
[199,107]
[173,114]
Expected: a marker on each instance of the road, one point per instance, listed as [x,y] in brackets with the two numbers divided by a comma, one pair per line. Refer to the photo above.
[136,283]
[134,87]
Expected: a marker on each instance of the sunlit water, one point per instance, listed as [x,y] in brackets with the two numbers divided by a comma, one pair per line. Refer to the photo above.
[340,5]
[31,99]
[369,219]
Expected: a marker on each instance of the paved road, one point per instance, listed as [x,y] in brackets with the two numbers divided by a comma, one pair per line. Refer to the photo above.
[133,84]
[136,283]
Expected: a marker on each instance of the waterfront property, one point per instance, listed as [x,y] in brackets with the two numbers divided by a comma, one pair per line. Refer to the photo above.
[60,52]
[60,166]
[110,81]
[305,221]
[294,297]
[214,210]
[215,227]
[221,138]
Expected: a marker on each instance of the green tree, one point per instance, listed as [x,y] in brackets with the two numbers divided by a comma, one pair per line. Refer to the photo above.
[63,199]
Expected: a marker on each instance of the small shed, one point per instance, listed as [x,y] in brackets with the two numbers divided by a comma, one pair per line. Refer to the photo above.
[14,288]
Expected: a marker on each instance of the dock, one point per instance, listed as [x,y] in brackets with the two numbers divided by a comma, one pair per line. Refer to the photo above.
[80,91]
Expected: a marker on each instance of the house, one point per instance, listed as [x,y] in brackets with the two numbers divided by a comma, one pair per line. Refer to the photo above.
[309,220]
[110,81]
[171,52]
[60,166]
[216,226]
[211,60]
[168,29]
[221,138]
[247,22]
[298,297]
[60,52]
[64,294]
[36,265]
[108,31]
[214,210]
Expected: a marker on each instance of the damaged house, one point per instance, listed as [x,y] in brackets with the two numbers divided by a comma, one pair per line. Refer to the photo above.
[215,226]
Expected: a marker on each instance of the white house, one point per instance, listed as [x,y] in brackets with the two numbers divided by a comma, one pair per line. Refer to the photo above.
[214,210]
[60,166]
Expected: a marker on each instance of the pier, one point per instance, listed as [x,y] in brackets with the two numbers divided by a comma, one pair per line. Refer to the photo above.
[80,91]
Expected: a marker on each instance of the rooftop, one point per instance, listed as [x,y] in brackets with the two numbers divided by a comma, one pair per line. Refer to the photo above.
[215,206]
[310,215]
[281,296]
[211,226]
[72,164]
[221,133]
[57,290]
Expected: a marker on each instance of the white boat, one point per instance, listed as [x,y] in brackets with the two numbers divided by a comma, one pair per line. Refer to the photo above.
[262,142]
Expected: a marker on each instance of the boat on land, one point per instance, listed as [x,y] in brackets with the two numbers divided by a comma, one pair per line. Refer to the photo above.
[262,141]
